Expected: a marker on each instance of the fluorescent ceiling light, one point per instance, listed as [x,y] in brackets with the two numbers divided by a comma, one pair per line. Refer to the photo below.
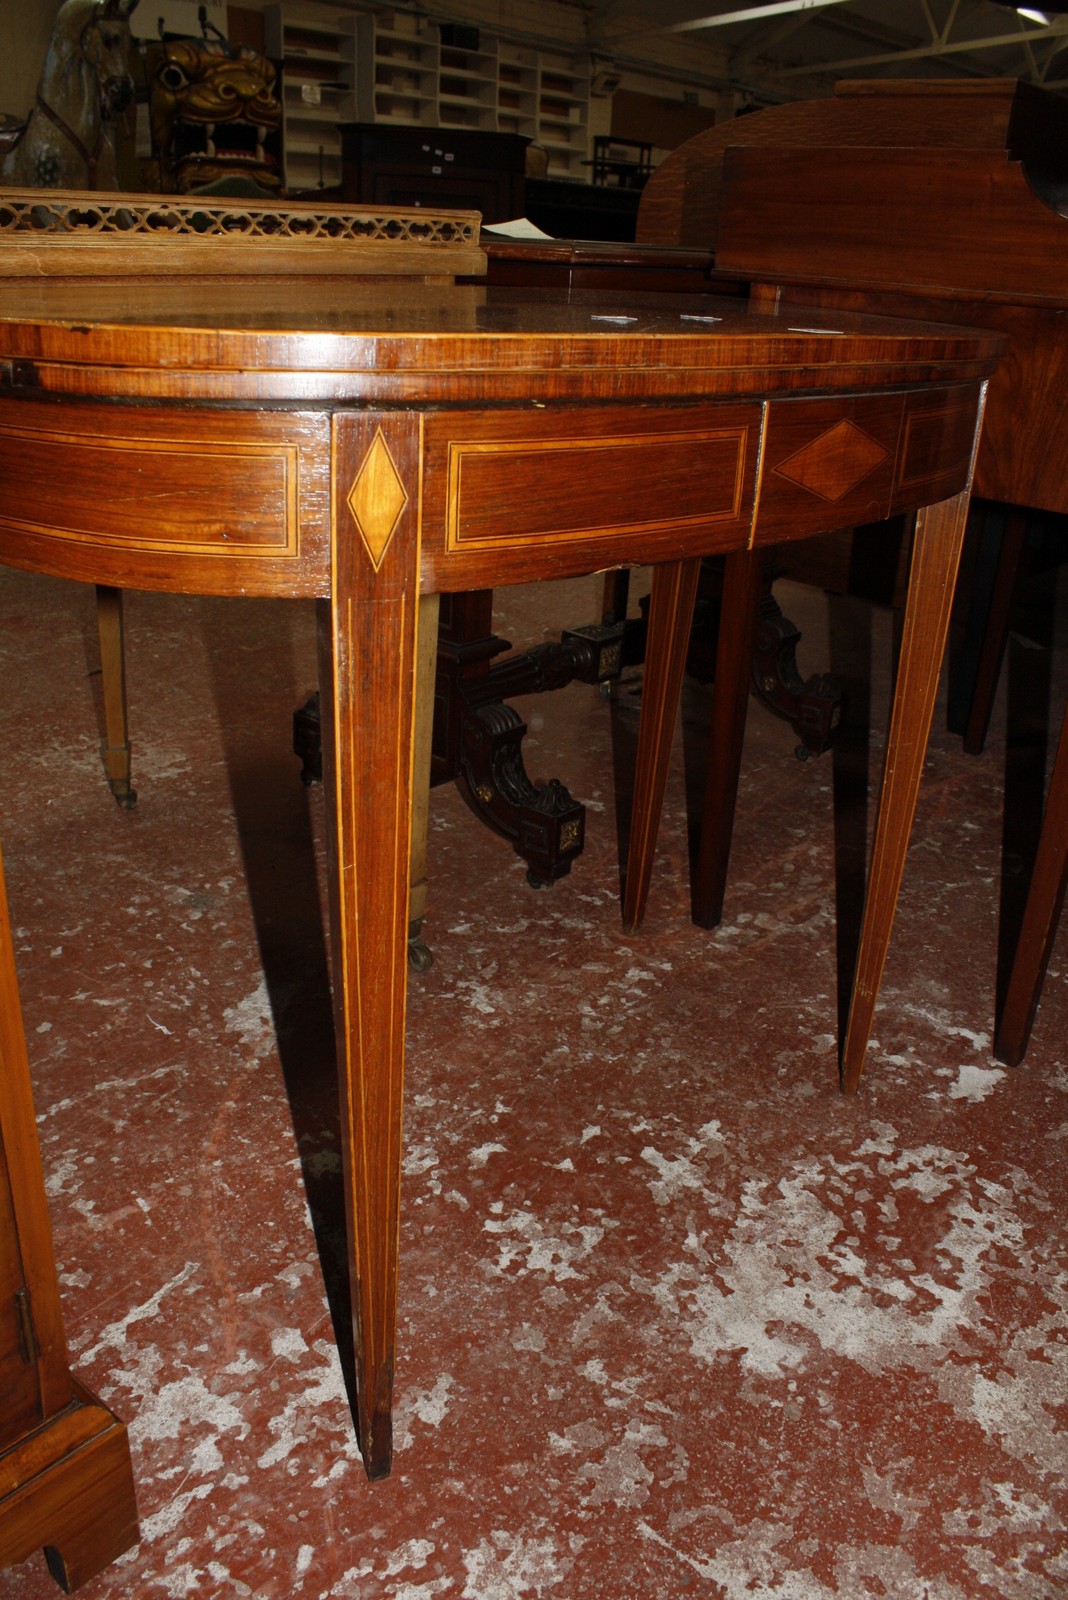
[752,14]
[1033,16]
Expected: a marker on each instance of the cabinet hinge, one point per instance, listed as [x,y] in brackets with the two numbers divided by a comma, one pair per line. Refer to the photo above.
[24,1317]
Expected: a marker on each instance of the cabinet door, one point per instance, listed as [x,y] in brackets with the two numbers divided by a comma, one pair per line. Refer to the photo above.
[20,1405]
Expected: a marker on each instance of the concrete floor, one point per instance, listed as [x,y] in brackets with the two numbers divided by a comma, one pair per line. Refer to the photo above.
[676,1318]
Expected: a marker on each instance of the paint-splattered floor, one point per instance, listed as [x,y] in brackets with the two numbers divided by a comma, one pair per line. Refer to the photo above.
[675,1317]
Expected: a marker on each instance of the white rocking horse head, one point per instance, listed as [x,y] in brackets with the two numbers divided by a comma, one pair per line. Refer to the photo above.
[68,140]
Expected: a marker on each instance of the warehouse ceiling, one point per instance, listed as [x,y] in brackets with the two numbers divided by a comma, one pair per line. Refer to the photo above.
[805,44]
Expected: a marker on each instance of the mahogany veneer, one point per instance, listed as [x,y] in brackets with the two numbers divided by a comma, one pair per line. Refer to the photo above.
[375,447]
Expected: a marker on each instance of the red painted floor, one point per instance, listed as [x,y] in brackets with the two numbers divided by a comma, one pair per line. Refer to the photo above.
[676,1318]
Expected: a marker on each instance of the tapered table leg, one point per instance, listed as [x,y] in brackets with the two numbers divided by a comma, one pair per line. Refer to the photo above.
[933,575]
[1045,898]
[671,603]
[116,750]
[730,697]
[419,953]
[1011,560]
[367,675]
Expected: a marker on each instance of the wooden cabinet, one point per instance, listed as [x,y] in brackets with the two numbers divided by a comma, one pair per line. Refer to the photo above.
[66,1483]
[433,167]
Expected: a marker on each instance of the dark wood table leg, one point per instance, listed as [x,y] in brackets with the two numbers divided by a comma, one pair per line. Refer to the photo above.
[742,587]
[933,575]
[367,677]
[1042,911]
[996,632]
[671,603]
[116,749]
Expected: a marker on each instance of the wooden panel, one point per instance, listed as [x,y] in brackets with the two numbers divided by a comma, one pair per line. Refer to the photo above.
[963,220]
[580,490]
[232,503]
[827,464]
[1023,454]
[937,441]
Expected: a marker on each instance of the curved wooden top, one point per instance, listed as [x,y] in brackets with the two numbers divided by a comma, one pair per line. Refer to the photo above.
[346,340]
[680,205]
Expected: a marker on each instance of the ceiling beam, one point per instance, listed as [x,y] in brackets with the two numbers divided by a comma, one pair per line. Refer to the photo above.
[1055,29]
[752,13]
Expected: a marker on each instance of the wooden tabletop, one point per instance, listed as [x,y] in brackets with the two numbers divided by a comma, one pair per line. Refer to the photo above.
[334,339]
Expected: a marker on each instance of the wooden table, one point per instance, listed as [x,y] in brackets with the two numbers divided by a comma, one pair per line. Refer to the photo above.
[373,446]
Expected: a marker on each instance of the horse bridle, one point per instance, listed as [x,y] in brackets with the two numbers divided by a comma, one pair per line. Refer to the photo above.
[90,157]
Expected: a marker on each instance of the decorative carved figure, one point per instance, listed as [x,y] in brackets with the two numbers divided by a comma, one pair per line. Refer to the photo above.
[215,117]
[68,139]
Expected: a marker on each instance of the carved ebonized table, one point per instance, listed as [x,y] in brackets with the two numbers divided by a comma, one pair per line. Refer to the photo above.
[374,442]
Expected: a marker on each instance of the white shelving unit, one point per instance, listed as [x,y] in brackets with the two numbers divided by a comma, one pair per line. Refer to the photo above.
[392,67]
[467,87]
[517,91]
[396,65]
[313,43]
[563,111]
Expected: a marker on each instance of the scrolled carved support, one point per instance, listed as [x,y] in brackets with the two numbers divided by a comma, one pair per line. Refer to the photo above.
[545,826]
[813,706]
[478,739]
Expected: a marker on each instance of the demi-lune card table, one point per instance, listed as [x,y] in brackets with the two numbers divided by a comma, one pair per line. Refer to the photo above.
[295,429]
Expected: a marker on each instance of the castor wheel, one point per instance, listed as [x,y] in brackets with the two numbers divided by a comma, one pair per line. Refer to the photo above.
[802,752]
[536,883]
[420,955]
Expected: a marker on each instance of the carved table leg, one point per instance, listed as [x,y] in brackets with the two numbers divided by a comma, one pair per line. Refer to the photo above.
[116,747]
[935,559]
[367,676]
[670,616]
[1045,898]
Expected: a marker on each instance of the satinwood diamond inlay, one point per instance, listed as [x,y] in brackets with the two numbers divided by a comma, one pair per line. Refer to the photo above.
[376,499]
[835,463]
